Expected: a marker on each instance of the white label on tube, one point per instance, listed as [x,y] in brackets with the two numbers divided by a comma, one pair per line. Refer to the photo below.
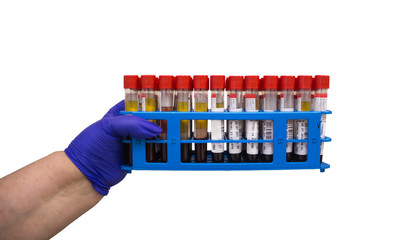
[301,133]
[267,148]
[282,107]
[299,103]
[252,126]
[217,134]
[289,135]
[217,128]
[143,102]
[235,133]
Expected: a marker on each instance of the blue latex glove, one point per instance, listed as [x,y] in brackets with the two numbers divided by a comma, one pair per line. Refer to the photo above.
[97,151]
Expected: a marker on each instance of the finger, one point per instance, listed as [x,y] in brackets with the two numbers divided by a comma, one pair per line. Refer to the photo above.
[128,125]
[115,110]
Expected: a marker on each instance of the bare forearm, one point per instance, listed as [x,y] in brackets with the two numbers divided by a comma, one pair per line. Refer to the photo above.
[43,198]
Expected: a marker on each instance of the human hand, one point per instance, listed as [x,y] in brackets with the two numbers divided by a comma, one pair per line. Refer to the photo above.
[97,151]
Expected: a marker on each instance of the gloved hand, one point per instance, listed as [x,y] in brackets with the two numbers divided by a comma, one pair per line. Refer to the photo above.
[97,151]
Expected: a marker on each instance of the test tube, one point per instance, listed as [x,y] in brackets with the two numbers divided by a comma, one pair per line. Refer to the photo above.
[183,92]
[320,87]
[200,95]
[286,104]
[269,99]
[303,93]
[252,126]
[131,100]
[166,102]
[148,83]
[217,88]
[234,88]
[131,103]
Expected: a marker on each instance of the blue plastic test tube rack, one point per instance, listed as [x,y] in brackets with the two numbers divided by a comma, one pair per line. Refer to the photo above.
[279,141]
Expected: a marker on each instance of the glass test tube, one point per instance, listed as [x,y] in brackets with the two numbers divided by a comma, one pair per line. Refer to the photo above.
[183,99]
[234,88]
[320,87]
[303,92]
[217,87]
[148,83]
[131,103]
[251,126]
[286,104]
[200,87]
[269,99]
[131,100]
[166,97]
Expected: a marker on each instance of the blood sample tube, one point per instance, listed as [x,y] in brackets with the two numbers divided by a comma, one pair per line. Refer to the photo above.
[320,87]
[139,93]
[286,104]
[148,83]
[252,126]
[166,95]
[234,88]
[131,103]
[269,99]
[183,92]
[217,88]
[131,100]
[303,93]
[200,94]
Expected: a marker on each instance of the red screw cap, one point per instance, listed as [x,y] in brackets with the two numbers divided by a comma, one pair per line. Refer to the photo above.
[201,82]
[252,82]
[217,82]
[304,82]
[166,81]
[270,82]
[131,81]
[321,82]
[148,81]
[287,82]
[183,82]
[234,83]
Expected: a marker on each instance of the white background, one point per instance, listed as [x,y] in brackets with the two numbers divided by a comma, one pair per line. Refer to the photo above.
[61,69]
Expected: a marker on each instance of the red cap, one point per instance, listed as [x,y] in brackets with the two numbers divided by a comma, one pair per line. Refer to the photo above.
[287,82]
[234,83]
[217,82]
[321,81]
[131,81]
[252,82]
[304,82]
[270,82]
[148,81]
[201,82]
[183,82]
[166,81]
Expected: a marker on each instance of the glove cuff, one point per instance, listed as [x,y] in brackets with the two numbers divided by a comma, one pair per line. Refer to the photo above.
[88,170]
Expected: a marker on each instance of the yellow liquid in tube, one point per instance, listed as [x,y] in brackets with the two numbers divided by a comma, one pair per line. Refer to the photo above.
[130,106]
[201,125]
[150,106]
[220,105]
[305,107]
[184,124]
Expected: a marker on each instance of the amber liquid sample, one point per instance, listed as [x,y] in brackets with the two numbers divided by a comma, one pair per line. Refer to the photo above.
[163,135]
[152,153]
[201,134]
[131,106]
[186,148]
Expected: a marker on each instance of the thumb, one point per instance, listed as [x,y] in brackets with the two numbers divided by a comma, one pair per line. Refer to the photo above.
[128,125]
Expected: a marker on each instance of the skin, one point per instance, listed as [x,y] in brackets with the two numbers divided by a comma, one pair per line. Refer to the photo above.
[41,199]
